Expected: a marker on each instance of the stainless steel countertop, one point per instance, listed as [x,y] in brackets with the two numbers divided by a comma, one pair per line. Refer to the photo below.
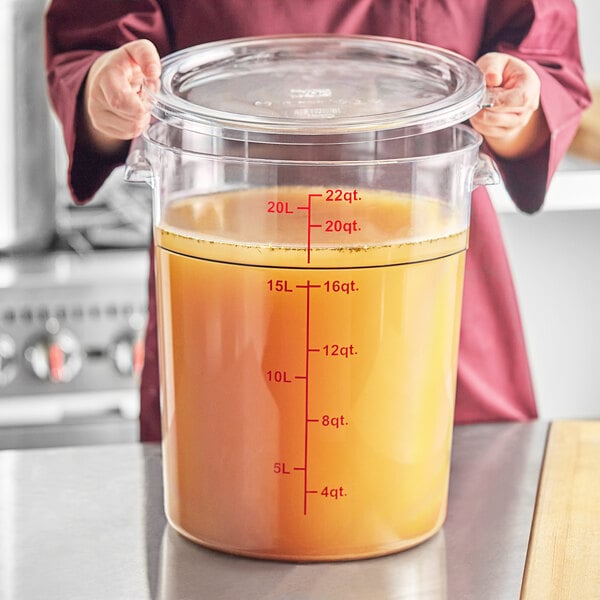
[88,523]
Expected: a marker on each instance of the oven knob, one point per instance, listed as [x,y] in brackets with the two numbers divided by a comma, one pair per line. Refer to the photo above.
[55,357]
[127,353]
[8,359]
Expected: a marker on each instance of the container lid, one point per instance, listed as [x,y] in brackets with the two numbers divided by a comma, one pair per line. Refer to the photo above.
[313,85]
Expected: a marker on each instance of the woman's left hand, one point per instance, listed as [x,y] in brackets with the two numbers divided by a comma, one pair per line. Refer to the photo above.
[514,125]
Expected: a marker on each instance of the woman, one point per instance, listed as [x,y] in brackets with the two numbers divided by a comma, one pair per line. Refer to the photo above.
[97,59]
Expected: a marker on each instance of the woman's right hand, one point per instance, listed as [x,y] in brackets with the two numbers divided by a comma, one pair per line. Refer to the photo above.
[114,108]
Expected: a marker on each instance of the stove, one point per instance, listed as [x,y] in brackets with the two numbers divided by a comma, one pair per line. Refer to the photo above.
[72,325]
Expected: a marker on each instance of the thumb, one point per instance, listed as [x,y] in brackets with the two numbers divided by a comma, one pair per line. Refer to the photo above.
[144,54]
[492,65]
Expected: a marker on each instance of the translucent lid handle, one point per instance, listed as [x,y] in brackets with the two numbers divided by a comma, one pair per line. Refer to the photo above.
[497,96]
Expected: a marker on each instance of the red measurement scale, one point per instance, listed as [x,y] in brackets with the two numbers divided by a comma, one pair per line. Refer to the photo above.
[331,229]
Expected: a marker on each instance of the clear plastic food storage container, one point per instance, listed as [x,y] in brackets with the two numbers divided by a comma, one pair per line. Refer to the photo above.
[311,214]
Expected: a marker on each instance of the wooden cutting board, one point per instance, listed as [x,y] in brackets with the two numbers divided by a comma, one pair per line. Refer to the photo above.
[563,560]
[587,140]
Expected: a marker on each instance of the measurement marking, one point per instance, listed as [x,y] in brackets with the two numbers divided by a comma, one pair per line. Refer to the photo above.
[308,286]
[307,350]
[309,224]
[306,390]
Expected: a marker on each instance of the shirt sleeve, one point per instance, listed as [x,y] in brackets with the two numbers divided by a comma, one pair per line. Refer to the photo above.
[76,35]
[545,35]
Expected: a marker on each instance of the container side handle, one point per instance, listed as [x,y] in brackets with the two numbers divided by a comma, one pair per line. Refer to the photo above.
[137,167]
[486,172]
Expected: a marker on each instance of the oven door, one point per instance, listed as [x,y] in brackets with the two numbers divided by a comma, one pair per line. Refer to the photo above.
[69,419]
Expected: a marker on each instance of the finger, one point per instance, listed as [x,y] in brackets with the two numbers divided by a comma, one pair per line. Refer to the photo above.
[119,127]
[153,85]
[520,87]
[125,104]
[496,133]
[507,100]
[144,54]
[497,130]
[504,120]
[492,65]
[121,93]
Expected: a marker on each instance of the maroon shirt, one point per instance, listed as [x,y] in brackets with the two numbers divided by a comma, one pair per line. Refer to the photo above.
[494,381]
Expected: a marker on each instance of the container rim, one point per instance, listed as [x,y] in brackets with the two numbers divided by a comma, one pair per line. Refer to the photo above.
[473,140]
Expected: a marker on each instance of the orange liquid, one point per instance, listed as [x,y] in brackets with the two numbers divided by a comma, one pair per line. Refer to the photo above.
[308,406]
